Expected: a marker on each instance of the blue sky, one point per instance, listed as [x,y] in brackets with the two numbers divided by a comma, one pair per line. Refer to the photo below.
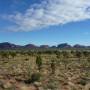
[45,21]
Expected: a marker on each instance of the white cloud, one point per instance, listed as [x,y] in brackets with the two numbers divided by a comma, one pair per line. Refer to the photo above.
[51,12]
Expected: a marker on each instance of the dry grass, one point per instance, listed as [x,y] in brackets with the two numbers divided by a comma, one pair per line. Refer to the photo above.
[68,72]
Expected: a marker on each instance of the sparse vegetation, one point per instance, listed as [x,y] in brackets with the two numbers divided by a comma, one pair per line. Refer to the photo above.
[39,62]
[45,70]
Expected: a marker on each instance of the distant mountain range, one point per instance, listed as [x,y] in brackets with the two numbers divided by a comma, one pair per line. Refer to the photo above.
[7,45]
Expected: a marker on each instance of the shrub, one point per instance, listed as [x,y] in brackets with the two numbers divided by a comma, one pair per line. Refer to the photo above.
[13,54]
[82,82]
[39,62]
[35,77]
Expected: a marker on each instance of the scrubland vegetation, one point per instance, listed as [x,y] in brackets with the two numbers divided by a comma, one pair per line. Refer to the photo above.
[45,70]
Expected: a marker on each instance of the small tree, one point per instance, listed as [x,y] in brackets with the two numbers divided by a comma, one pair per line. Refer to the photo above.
[39,62]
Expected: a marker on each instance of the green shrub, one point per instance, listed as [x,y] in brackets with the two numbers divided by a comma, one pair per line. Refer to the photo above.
[35,77]
[13,54]
[39,62]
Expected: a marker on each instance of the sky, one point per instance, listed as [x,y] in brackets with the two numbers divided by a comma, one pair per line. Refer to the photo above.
[45,21]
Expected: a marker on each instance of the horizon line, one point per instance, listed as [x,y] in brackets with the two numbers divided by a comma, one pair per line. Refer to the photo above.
[47,44]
